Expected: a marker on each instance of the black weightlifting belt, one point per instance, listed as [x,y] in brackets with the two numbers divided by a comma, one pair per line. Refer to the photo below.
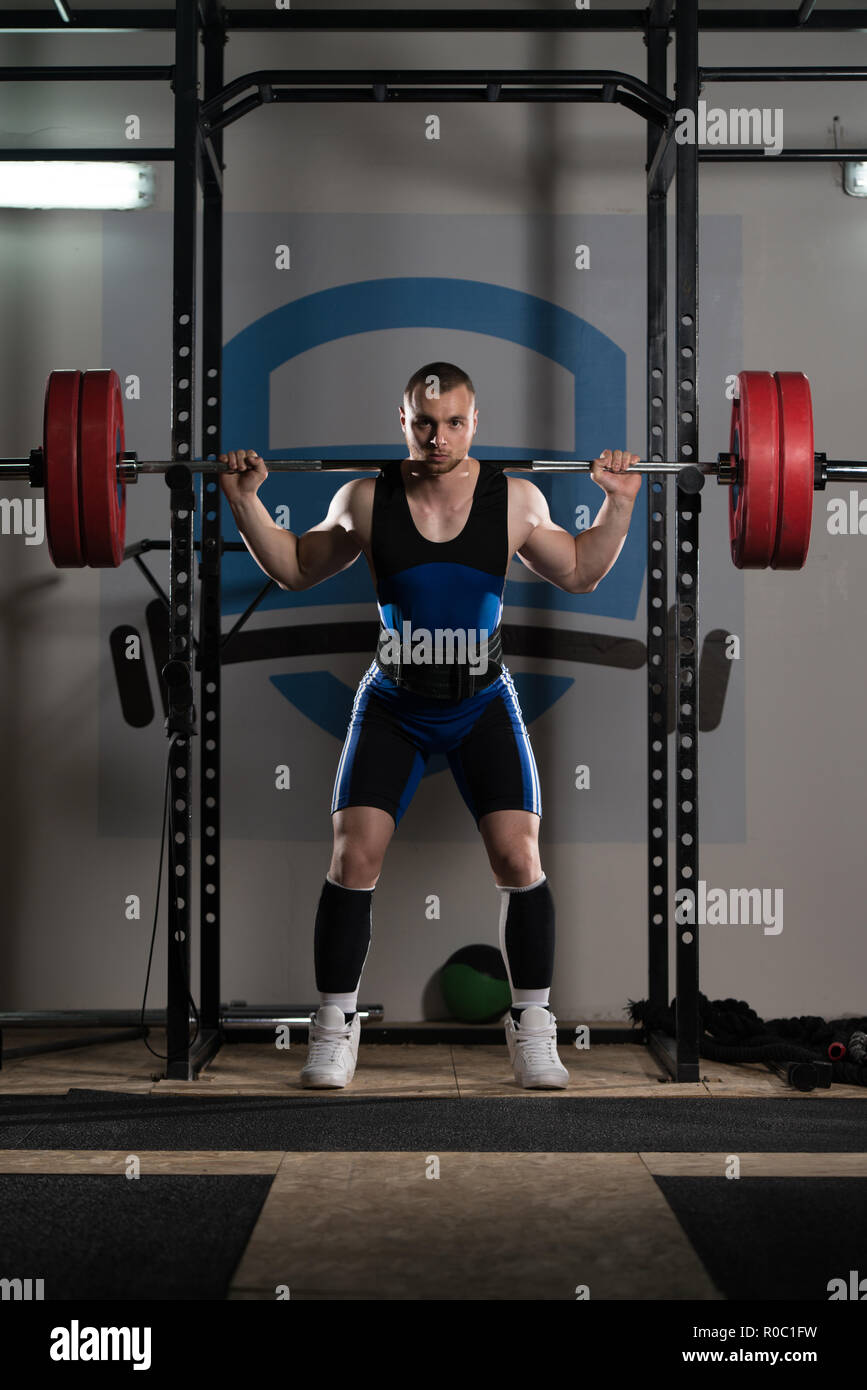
[442,680]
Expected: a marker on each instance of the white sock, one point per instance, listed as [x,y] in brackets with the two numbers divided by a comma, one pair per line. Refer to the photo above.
[346,1002]
[529,997]
[501,887]
[355,890]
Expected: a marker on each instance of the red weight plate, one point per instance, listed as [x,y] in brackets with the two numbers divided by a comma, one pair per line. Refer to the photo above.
[795,511]
[60,453]
[103,497]
[754,499]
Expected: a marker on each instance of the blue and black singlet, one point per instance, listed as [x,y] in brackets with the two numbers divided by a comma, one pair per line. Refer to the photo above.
[454,585]
[405,710]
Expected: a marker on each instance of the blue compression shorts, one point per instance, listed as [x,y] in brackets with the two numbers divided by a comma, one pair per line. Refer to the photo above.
[393,732]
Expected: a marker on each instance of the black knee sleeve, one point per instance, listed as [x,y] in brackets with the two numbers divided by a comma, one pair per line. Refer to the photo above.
[527,935]
[341,937]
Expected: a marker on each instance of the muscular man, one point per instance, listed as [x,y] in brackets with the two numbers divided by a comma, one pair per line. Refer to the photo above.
[438,530]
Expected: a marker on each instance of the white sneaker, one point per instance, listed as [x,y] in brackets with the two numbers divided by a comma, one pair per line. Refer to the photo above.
[533,1049]
[332,1048]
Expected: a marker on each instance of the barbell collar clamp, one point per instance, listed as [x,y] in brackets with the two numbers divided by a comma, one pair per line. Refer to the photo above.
[36,468]
[127,468]
[820,475]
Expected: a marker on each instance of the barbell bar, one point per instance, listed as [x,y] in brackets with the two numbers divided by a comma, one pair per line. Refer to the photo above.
[770,467]
[136,466]
[130,467]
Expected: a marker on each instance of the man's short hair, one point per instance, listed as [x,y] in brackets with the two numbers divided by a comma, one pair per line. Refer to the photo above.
[446,377]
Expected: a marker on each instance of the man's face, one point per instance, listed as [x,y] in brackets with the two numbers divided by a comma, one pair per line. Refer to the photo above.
[439,430]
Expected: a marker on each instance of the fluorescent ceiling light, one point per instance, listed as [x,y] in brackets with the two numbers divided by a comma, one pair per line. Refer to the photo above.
[62,10]
[855,178]
[59,183]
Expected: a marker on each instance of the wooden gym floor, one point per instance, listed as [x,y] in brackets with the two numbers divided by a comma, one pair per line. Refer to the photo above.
[602,1216]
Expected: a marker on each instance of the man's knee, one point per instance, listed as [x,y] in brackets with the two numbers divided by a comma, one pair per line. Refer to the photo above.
[355,864]
[516,864]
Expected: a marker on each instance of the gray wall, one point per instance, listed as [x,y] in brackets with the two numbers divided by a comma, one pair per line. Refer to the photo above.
[782,778]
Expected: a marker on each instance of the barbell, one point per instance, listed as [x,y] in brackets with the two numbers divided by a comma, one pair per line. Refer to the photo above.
[770,467]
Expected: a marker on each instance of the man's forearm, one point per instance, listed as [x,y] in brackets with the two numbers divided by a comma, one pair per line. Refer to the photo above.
[273,548]
[597,549]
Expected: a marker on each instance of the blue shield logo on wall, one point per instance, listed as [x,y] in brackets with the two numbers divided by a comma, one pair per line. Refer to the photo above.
[596,365]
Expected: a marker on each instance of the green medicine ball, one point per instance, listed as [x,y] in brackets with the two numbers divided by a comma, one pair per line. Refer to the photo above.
[475,985]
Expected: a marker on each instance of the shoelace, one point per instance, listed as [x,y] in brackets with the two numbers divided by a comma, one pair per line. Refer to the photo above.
[537,1044]
[327,1049]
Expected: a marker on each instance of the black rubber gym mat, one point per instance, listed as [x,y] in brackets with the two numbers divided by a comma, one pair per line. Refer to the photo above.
[523,1124]
[103,1236]
[774,1238]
